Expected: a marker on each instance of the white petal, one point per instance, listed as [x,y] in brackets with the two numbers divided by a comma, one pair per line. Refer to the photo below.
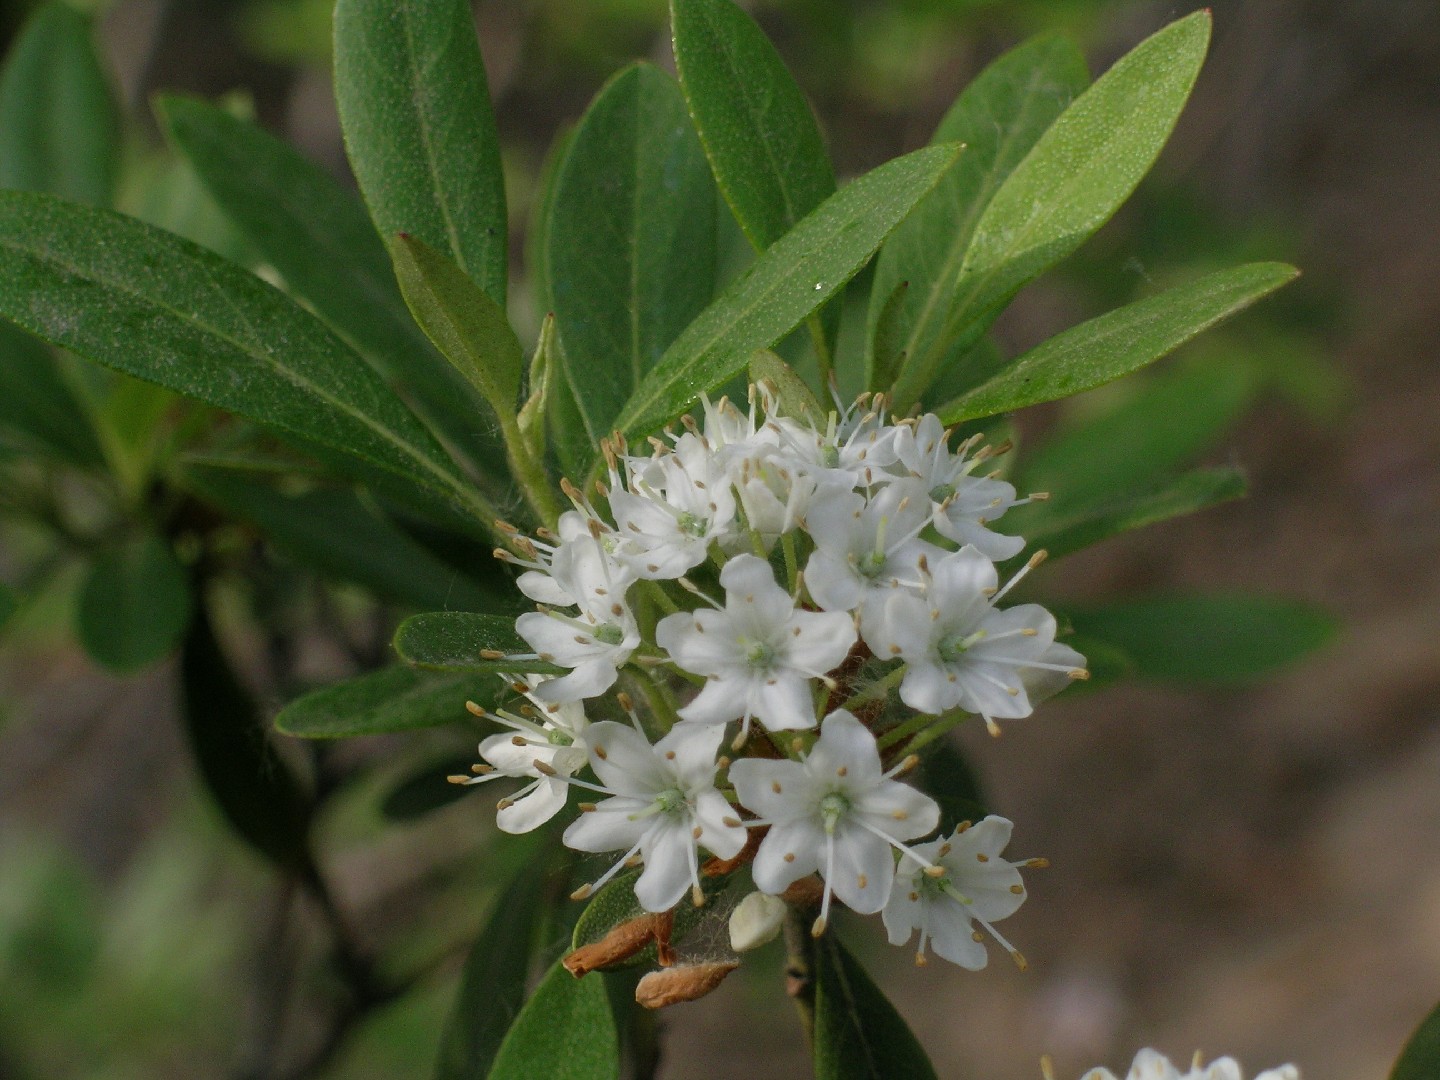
[783,703]
[625,762]
[609,827]
[899,810]
[717,837]
[666,876]
[846,744]
[543,589]
[719,701]
[823,641]
[804,840]
[751,595]
[589,679]
[689,750]
[902,914]
[777,791]
[545,800]
[963,575]
[833,582]
[864,869]
[952,934]
[928,688]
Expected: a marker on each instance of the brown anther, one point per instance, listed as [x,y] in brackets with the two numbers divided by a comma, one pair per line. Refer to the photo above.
[980,856]
[672,986]
[458,779]
[507,528]
[1018,890]
[1038,864]
[481,770]
[543,768]
[491,654]
[473,709]
[626,701]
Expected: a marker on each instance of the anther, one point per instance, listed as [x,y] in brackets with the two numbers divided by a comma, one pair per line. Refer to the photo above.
[491,654]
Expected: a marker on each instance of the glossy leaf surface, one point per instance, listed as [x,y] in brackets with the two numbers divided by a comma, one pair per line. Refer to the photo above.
[454,640]
[787,282]
[629,240]
[1074,178]
[999,118]
[1118,342]
[566,1031]
[392,699]
[419,129]
[858,1033]
[149,304]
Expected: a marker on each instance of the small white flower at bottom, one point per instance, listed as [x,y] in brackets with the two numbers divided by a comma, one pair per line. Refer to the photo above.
[663,803]
[1152,1065]
[976,886]
[835,812]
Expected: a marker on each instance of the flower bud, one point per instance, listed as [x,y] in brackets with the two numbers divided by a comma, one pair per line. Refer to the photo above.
[755,921]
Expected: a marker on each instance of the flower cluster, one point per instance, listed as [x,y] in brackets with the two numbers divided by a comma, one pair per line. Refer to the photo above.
[1150,1065]
[791,579]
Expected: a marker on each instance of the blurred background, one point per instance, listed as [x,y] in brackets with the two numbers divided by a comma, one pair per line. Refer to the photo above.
[1248,868]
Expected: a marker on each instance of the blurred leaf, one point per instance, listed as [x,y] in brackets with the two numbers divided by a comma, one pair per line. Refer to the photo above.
[144,302]
[9,602]
[134,604]
[1420,1060]
[492,985]
[254,788]
[392,699]
[454,640]
[1221,639]
[758,130]
[1071,527]
[338,533]
[1118,342]
[424,788]
[1106,663]
[858,1033]
[38,405]
[793,397]
[161,189]
[788,281]
[469,329]
[1169,421]
[999,117]
[630,240]
[326,249]
[420,131]
[59,130]
[566,1031]
[946,776]
[1074,178]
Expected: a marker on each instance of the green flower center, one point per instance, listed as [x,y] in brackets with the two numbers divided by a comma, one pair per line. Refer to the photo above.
[870,564]
[692,524]
[830,457]
[832,808]
[609,634]
[670,801]
[953,646]
[940,492]
[760,656]
[556,737]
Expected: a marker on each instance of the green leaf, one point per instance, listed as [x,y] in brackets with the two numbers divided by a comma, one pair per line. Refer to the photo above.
[1219,638]
[999,118]
[566,1031]
[759,133]
[454,641]
[468,328]
[320,239]
[134,604]
[392,699]
[793,397]
[419,129]
[343,536]
[37,404]
[424,789]
[787,282]
[1063,526]
[1420,1060]
[137,299]
[1171,419]
[858,1033]
[59,130]
[492,985]
[1119,342]
[1073,179]
[251,784]
[630,240]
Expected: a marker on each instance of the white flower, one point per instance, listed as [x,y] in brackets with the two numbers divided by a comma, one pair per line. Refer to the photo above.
[975,886]
[1152,1065]
[663,803]
[758,653]
[835,812]
[961,652]
[863,546]
[855,444]
[963,505]
[592,646]
[676,504]
[582,570]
